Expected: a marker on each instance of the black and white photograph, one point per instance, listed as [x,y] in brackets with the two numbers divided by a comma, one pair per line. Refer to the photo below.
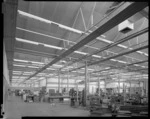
[75,59]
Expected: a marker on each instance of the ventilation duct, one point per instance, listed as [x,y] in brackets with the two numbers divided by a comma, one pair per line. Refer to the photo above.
[125,26]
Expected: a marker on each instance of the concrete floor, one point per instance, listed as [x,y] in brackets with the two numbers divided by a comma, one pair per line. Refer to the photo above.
[16,108]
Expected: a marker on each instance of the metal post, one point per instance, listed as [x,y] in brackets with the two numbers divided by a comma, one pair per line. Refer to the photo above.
[85,94]
[61,87]
[89,84]
[146,87]
[130,89]
[119,83]
[124,92]
[99,86]
[46,83]
[68,81]
[77,84]
[76,87]
[59,81]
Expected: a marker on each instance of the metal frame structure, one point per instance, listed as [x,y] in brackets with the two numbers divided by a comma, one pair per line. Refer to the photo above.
[121,16]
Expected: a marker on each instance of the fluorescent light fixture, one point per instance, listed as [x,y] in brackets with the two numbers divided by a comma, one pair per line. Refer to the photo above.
[19,65]
[48,21]
[136,65]
[51,69]
[70,29]
[15,77]
[143,66]
[51,46]
[16,71]
[104,40]
[83,53]
[57,65]
[123,46]
[107,68]
[140,52]
[27,41]
[97,56]
[41,78]
[32,67]
[103,36]
[26,74]
[146,54]
[122,61]
[113,60]
[20,60]
[34,17]
[62,61]
[37,62]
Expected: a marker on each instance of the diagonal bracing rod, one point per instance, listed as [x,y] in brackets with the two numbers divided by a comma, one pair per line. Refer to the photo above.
[119,16]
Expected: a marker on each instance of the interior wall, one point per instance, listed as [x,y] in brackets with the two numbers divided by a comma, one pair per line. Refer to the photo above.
[6,82]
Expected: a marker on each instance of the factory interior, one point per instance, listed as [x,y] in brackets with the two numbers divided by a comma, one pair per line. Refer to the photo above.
[75,59]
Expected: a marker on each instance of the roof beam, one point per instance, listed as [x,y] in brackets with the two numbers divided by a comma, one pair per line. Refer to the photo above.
[111,45]
[118,16]
[112,57]
[121,54]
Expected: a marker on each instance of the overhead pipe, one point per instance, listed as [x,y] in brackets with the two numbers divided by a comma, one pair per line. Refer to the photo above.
[118,67]
[121,15]
[122,72]
[111,45]
[112,57]
[138,62]
[111,66]
[121,66]
[121,54]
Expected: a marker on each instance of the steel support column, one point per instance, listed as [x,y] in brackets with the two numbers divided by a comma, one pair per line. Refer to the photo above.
[89,84]
[85,94]
[46,83]
[99,86]
[146,86]
[68,81]
[105,84]
[130,89]
[124,91]
[59,81]
[77,84]
[118,83]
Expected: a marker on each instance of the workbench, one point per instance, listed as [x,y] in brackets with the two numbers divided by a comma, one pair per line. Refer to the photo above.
[50,98]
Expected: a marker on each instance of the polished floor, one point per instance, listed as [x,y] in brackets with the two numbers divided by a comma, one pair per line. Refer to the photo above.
[16,108]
